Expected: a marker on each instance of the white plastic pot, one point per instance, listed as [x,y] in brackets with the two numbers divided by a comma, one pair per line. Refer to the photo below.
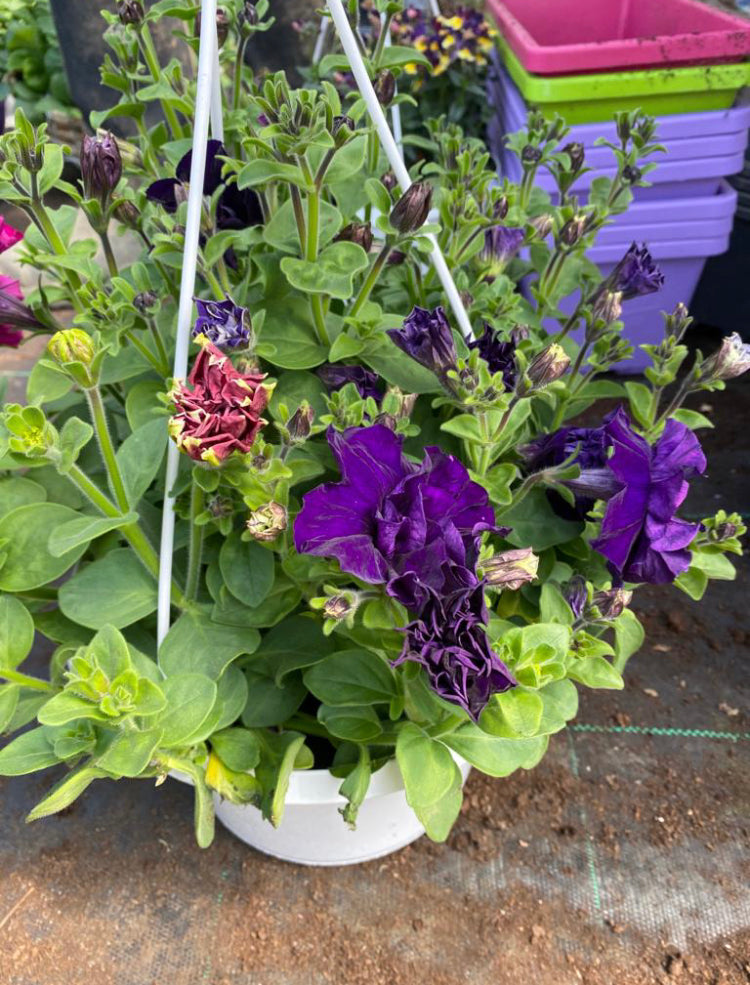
[313,832]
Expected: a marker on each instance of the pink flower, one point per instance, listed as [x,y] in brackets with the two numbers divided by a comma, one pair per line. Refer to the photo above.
[9,289]
[219,412]
[9,235]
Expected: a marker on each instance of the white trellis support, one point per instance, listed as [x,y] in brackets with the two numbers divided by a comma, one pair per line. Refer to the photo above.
[208,106]
[207,79]
[375,110]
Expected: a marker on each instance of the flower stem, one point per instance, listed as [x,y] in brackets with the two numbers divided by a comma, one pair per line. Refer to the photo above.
[195,547]
[109,255]
[15,677]
[237,80]
[152,63]
[41,219]
[98,416]
[371,279]
[160,347]
[162,369]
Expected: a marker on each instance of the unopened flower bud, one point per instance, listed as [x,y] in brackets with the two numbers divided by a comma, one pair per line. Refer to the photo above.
[337,607]
[611,603]
[576,153]
[248,16]
[511,569]
[299,424]
[389,180]
[731,359]
[543,225]
[219,507]
[342,128]
[500,208]
[222,25]
[608,307]
[467,299]
[385,87]
[549,365]
[519,334]
[127,213]
[145,302]
[356,232]
[725,531]
[101,166]
[410,212]
[623,126]
[678,321]
[576,595]
[387,420]
[573,230]
[130,12]
[631,174]
[266,523]
[72,345]
[531,154]
[395,258]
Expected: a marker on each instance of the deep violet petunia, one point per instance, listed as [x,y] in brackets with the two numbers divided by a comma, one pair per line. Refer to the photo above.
[640,535]
[224,323]
[336,375]
[426,336]
[499,355]
[501,244]
[392,521]
[636,274]
[449,639]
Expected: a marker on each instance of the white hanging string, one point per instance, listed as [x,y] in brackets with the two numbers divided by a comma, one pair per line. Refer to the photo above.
[207,62]
[375,110]
[395,109]
[434,7]
[217,109]
[320,41]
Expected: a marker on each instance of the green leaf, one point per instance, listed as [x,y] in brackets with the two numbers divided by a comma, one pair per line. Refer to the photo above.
[596,672]
[352,677]
[397,368]
[9,695]
[203,815]
[293,387]
[130,752]
[281,230]
[693,583]
[247,569]
[142,405]
[691,418]
[296,643]
[46,383]
[713,565]
[355,787]
[560,700]
[641,402]
[140,457]
[26,532]
[65,706]
[28,753]
[432,780]
[513,713]
[261,171]
[493,755]
[196,643]
[354,724]
[237,748]
[231,698]
[269,703]
[287,746]
[190,700]
[332,273]
[83,530]
[16,632]
[65,792]
[347,161]
[116,589]
[283,597]
[553,607]
[629,637]
[18,491]
[535,524]
[288,337]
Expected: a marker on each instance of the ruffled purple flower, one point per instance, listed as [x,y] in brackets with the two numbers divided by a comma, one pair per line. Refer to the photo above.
[636,274]
[640,535]
[235,209]
[426,336]
[449,639]
[390,521]
[500,356]
[335,376]
[224,323]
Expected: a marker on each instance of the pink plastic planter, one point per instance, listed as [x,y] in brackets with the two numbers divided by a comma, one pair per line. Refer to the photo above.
[570,36]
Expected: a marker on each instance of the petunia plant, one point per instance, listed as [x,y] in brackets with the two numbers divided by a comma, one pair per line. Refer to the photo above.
[394,540]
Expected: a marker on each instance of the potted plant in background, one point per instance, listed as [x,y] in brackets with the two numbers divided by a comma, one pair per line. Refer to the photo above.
[397,551]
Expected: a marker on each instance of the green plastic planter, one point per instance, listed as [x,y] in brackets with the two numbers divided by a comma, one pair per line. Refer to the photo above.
[658,92]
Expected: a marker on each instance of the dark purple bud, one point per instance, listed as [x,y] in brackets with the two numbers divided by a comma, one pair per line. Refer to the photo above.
[611,603]
[224,323]
[576,153]
[336,375]
[130,12]
[607,307]
[410,212]
[635,275]
[500,208]
[725,531]
[395,258]
[426,336]
[127,213]
[631,174]
[385,87]
[573,230]
[101,166]
[519,334]
[730,360]
[356,232]
[623,127]
[389,180]
[248,16]
[531,154]
[498,354]
[501,244]
[300,423]
[342,128]
[576,595]
[511,569]
[145,302]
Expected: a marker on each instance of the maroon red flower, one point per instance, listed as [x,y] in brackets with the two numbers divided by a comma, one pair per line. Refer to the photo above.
[218,410]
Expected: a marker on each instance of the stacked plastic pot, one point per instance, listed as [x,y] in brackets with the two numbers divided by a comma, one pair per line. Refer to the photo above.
[679,60]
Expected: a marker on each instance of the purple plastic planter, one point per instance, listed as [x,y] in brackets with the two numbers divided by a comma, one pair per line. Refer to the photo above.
[702,148]
[568,36]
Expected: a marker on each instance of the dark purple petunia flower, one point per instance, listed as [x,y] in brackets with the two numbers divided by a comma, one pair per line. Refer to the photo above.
[501,243]
[235,209]
[426,336]
[449,640]
[335,376]
[224,323]
[392,521]
[576,595]
[500,356]
[641,537]
[635,274]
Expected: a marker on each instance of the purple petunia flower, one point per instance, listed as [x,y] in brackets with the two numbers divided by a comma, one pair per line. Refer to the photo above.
[641,537]
[449,640]
[636,274]
[236,208]
[426,336]
[576,595]
[499,355]
[501,244]
[335,376]
[224,323]
[392,521]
